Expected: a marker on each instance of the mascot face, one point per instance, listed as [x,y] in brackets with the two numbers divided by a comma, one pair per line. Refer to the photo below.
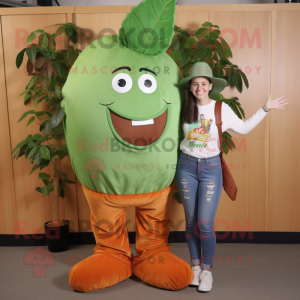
[132,91]
[122,118]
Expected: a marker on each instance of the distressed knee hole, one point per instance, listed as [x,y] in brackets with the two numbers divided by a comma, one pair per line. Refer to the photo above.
[183,181]
[185,188]
[210,191]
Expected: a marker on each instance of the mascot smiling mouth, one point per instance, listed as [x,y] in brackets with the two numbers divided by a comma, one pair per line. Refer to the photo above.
[138,133]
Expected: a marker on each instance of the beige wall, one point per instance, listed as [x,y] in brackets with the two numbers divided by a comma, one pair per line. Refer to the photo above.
[266,167]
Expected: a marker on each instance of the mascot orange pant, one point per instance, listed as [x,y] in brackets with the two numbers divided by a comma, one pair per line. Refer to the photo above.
[113,261]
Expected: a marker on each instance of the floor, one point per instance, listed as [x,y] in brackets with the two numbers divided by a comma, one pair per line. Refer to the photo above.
[240,271]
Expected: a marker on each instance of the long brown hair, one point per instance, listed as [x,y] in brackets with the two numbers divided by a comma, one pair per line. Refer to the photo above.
[189,113]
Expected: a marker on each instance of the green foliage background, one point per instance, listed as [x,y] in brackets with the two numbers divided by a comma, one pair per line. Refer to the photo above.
[48,69]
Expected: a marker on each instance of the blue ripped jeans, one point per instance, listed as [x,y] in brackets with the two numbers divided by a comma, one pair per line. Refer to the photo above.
[199,182]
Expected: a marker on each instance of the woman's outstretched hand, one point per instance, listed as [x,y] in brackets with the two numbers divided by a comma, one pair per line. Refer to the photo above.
[279,103]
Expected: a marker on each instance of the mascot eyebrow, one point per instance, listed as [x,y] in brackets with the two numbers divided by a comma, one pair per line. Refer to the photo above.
[121,68]
[145,69]
[129,69]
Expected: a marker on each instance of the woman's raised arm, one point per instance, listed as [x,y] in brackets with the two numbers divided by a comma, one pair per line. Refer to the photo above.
[232,122]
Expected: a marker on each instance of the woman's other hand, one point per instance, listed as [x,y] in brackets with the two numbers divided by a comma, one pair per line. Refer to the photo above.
[278,103]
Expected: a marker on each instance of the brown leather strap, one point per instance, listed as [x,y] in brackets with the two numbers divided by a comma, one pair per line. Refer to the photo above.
[218,108]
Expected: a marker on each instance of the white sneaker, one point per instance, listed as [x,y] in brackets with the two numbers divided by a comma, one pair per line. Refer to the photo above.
[206,281]
[197,271]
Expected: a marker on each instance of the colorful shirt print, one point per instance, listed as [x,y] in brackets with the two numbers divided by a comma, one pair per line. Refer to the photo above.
[200,130]
[201,139]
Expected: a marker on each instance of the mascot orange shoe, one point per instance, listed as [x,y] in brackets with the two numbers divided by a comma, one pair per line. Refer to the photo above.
[122,129]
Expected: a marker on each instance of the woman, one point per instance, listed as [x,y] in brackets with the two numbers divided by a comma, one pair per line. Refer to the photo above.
[199,172]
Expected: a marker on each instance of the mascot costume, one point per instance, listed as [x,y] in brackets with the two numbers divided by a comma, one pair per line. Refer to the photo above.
[122,128]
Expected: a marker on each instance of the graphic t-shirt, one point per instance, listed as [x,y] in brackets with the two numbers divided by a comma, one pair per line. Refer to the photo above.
[201,139]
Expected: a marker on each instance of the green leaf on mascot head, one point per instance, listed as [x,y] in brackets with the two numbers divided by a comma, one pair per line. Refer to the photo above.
[148,27]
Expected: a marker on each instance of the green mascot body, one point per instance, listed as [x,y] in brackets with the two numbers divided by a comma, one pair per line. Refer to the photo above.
[122,106]
[92,135]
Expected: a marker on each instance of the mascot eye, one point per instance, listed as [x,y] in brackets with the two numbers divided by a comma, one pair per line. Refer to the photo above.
[122,83]
[147,83]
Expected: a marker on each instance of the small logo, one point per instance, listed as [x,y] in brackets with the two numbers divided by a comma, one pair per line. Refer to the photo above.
[39,258]
[94,165]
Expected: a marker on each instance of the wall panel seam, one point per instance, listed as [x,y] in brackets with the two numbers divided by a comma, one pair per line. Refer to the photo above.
[7,112]
[272,85]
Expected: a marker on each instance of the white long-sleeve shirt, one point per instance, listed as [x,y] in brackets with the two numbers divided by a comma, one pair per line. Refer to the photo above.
[201,139]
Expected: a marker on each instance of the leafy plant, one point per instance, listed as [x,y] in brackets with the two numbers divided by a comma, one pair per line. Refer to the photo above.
[48,70]
[206,45]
